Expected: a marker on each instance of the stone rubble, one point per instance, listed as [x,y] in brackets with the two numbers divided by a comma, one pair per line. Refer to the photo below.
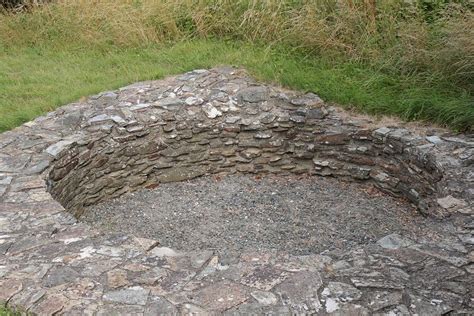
[210,122]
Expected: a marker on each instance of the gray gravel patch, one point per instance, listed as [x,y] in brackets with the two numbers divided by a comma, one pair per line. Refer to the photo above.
[230,214]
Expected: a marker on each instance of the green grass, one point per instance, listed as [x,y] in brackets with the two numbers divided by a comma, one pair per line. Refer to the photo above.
[37,80]
[7,312]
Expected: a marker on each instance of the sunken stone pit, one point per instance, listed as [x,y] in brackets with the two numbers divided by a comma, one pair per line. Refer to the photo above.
[220,123]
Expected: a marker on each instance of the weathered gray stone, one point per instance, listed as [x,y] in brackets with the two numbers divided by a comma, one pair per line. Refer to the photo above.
[450,202]
[140,106]
[253,94]
[5,180]
[382,132]
[316,113]
[300,291]
[211,111]
[434,139]
[135,295]
[221,296]
[232,119]
[264,298]
[117,278]
[98,119]
[57,148]
[38,167]
[394,241]
[382,299]
[146,244]
[267,119]
[297,118]
[467,239]
[108,95]
[193,101]
[308,100]
[175,175]
[13,163]
[8,288]
[169,103]
[349,309]
[422,306]
[164,252]
[60,276]
[341,292]
[111,251]
[378,283]
[50,305]
[191,309]
[151,276]
[258,309]
[263,278]
[159,306]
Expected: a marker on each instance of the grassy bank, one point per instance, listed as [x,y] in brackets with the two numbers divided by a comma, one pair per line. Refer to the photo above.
[408,62]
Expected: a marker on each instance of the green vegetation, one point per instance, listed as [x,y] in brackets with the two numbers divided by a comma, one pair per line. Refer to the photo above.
[7,312]
[415,61]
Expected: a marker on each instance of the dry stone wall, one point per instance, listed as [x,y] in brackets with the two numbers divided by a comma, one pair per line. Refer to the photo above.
[219,121]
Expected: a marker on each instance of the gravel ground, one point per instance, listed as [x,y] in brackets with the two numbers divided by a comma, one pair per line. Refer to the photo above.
[299,215]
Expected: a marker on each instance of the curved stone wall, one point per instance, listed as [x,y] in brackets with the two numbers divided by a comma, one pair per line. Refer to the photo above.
[208,122]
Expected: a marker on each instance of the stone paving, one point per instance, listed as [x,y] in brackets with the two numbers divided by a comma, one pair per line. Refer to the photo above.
[211,122]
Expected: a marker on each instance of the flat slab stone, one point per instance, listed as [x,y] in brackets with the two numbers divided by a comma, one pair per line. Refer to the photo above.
[132,296]
[11,164]
[253,94]
[393,241]
[300,291]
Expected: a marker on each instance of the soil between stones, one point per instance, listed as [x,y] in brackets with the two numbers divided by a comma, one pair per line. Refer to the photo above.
[231,214]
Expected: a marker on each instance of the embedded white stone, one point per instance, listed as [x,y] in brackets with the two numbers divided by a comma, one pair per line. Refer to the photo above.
[211,111]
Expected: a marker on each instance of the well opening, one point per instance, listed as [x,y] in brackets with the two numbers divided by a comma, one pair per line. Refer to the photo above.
[285,190]
[219,123]
[231,127]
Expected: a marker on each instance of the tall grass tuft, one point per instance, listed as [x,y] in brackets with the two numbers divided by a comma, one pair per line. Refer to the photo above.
[398,36]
